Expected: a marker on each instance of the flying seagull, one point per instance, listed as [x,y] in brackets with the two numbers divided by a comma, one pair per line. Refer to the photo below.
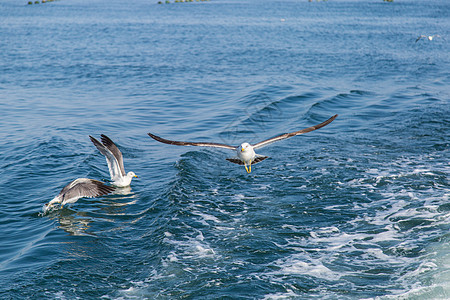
[115,161]
[429,37]
[246,152]
[79,188]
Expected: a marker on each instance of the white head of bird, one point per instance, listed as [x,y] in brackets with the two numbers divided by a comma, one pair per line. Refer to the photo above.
[246,152]
[131,174]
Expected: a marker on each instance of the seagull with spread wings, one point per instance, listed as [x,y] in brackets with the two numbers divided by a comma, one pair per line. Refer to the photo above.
[114,159]
[246,152]
[429,37]
[79,188]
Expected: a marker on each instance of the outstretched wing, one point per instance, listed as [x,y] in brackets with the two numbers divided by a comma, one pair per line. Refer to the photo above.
[84,187]
[115,151]
[215,145]
[288,135]
[113,164]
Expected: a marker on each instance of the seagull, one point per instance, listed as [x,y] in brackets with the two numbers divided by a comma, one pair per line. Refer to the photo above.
[79,188]
[246,152]
[429,37]
[115,161]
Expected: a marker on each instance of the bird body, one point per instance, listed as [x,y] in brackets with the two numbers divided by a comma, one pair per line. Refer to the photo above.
[114,160]
[245,153]
[79,188]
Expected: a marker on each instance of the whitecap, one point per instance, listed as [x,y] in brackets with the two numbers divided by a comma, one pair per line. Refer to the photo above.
[302,265]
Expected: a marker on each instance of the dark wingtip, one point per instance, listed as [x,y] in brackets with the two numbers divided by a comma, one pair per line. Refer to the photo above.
[326,122]
[333,117]
[161,140]
[94,140]
[109,189]
[104,189]
[106,140]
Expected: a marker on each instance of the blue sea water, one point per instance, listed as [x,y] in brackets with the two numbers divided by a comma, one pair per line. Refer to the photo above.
[356,210]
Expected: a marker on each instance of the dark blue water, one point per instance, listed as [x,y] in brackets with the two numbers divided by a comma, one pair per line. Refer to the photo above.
[356,210]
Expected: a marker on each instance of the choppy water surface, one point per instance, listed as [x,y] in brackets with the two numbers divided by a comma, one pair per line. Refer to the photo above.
[356,210]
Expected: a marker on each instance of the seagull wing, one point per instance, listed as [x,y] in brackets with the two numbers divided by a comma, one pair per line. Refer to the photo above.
[115,151]
[84,187]
[235,161]
[215,145]
[288,135]
[422,36]
[113,164]
[257,159]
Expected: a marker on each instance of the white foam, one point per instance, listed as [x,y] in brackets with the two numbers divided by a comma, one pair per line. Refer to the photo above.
[334,242]
[390,233]
[239,196]
[387,232]
[172,257]
[291,227]
[289,294]
[206,217]
[303,265]
[188,248]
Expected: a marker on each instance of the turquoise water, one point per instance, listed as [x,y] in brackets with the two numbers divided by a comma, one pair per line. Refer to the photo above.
[356,210]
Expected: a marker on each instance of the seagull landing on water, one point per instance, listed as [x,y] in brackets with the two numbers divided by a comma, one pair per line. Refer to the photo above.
[429,37]
[115,161]
[245,152]
[79,188]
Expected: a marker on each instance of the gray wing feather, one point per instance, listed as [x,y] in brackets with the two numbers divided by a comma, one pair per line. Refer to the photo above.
[113,164]
[288,135]
[115,151]
[83,187]
[201,144]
